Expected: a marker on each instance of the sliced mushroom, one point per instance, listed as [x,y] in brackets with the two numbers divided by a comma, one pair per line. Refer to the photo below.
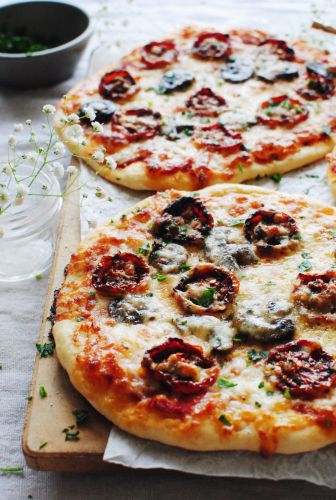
[168,257]
[265,321]
[218,333]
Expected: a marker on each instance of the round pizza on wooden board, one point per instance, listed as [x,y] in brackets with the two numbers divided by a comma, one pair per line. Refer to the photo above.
[206,320]
[203,107]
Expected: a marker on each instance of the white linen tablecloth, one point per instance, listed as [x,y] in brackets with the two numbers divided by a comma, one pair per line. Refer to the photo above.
[20,309]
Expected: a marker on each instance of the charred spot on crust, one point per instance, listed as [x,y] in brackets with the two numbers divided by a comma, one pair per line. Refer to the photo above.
[52,313]
[157,55]
[303,368]
[205,103]
[134,125]
[184,220]
[119,274]
[315,296]
[207,288]
[320,82]
[181,367]
[271,232]
[282,111]
[212,46]
[104,110]
[117,85]
[217,138]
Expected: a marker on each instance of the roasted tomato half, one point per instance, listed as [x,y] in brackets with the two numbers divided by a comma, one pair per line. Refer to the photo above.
[205,103]
[302,368]
[184,220]
[278,48]
[133,125]
[282,111]
[207,288]
[157,55]
[320,82]
[181,366]
[104,110]
[272,232]
[315,296]
[120,273]
[218,139]
[117,85]
[212,46]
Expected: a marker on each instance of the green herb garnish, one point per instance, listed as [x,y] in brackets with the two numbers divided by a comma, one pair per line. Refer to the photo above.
[82,417]
[225,384]
[255,356]
[46,349]
[43,393]
[207,298]
[159,277]
[276,177]
[225,420]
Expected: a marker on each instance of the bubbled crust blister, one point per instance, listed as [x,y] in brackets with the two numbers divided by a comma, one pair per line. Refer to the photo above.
[104,357]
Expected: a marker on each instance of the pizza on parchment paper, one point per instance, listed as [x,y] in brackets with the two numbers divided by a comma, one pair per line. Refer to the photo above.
[203,107]
[207,320]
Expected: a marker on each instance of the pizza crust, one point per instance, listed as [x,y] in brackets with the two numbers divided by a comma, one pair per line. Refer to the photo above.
[275,427]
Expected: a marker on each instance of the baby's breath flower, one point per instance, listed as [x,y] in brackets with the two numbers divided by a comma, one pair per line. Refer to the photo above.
[7,170]
[2,231]
[58,169]
[71,170]
[28,122]
[85,195]
[97,127]
[23,156]
[49,109]
[75,133]
[100,193]
[11,141]
[4,195]
[73,118]
[32,157]
[90,113]
[18,127]
[98,156]
[59,149]
[111,163]
[22,191]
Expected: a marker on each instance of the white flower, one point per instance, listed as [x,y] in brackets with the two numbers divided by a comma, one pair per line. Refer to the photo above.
[11,141]
[23,156]
[7,170]
[110,162]
[73,118]
[2,231]
[58,169]
[92,223]
[75,133]
[100,193]
[71,170]
[32,156]
[28,122]
[97,127]
[49,109]
[59,149]
[4,195]
[90,113]
[22,191]
[18,127]
[98,156]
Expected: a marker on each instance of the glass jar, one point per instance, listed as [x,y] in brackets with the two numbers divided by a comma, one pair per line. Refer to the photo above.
[29,229]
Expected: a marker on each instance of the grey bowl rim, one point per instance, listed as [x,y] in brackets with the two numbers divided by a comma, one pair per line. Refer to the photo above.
[59,48]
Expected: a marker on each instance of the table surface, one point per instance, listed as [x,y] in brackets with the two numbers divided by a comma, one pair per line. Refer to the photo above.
[20,309]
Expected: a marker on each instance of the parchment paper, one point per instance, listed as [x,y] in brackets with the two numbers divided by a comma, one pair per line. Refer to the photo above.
[142,22]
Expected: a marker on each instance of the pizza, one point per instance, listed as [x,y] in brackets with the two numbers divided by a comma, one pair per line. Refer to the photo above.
[206,320]
[203,107]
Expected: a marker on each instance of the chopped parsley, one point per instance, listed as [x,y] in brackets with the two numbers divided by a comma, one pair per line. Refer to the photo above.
[45,349]
[287,394]
[143,250]
[149,294]
[236,222]
[261,385]
[304,266]
[38,276]
[257,404]
[80,319]
[207,298]
[255,356]
[11,469]
[225,420]
[276,177]
[43,393]
[185,267]
[159,277]
[269,393]
[70,434]
[82,417]
[43,445]
[225,384]
[297,237]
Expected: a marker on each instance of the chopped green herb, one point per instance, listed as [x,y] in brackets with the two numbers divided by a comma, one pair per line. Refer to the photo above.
[185,267]
[82,417]
[287,394]
[255,356]
[223,383]
[304,266]
[29,398]
[261,385]
[276,177]
[80,319]
[45,349]
[236,222]
[43,445]
[159,277]
[43,393]
[38,276]
[305,255]
[269,393]
[237,339]
[257,404]
[71,435]
[225,420]
[207,297]
[313,176]
[149,294]
[297,237]
[11,469]
[143,250]
[92,293]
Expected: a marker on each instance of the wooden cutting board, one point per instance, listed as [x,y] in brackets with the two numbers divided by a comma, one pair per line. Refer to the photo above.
[47,417]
